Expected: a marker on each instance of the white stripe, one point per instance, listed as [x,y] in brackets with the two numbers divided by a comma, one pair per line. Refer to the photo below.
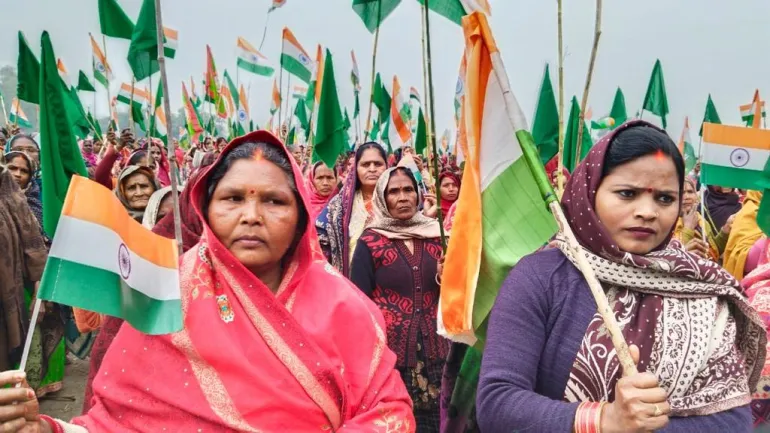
[292,50]
[97,246]
[499,147]
[734,156]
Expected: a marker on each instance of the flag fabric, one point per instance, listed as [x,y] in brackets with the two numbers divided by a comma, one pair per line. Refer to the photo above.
[251,60]
[455,10]
[421,137]
[143,51]
[603,123]
[76,113]
[316,80]
[275,104]
[685,147]
[501,215]
[618,110]
[414,94]
[408,162]
[132,95]
[211,82]
[194,98]
[299,92]
[381,100]
[460,90]
[545,127]
[172,42]
[355,76]
[748,110]
[300,112]
[102,71]
[60,156]
[710,116]
[331,139]
[399,133]
[655,107]
[571,138]
[63,73]
[17,116]
[294,58]
[276,4]
[225,94]
[114,125]
[244,117]
[27,73]
[232,91]
[113,20]
[374,12]
[158,125]
[192,117]
[135,269]
[95,126]
[734,156]
[84,85]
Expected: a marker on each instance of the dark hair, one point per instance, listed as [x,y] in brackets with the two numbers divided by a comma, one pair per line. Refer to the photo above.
[27,136]
[360,152]
[134,159]
[638,141]
[408,173]
[318,164]
[271,153]
[221,139]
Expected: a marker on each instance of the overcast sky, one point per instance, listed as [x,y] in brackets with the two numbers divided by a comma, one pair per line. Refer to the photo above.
[706,46]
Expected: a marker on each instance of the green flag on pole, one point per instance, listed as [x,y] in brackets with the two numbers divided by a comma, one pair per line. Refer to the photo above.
[374,12]
[143,51]
[113,20]
[330,137]
[84,85]
[545,128]
[710,116]
[655,101]
[28,70]
[570,137]
[421,139]
[618,111]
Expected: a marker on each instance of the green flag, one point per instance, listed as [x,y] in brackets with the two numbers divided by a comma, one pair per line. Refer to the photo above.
[711,115]
[292,137]
[143,51]
[453,10]
[655,101]
[94,126]
[83,84]
[113,21]
[76,113]
[346,120]
[28,70]
[421,139]
[618,111]
[330,136]
[375,132]
[233,90]
[357,108]
[60,156]
[300,112]
[374,12]
[545,128]
[570,137]
[381,99]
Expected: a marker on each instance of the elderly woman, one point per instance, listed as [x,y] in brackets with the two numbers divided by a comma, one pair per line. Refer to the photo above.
[322,184]
[158,206]
[135,186]
[267,343]
[395,264]
[343,220]
[549,364]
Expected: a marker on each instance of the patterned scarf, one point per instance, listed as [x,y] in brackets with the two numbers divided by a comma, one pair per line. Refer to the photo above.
[694,328]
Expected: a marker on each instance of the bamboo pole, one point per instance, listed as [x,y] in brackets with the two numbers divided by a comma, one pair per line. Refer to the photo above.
[109,97]
[603,306]
[5,113]
[170,146]
[559,155]
[374,67]
[425,83]
[131,108]
[264,32]
[280,93]
[432,133]
[589,76]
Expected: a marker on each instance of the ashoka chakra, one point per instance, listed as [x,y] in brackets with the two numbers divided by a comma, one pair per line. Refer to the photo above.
[739,157]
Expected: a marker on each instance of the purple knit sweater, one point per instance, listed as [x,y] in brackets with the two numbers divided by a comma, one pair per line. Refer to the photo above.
[535,330]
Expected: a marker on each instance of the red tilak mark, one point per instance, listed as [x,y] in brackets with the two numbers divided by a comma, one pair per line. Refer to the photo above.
[251,191]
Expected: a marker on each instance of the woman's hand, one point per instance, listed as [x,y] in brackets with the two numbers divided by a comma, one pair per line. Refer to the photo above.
[19,409]
[440,269]
[640,404]
[728,227]
[430,209]
[697,247]
[690,218]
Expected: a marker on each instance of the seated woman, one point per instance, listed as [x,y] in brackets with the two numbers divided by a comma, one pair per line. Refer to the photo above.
[395,264]
[322,185]
[267,343]
[690,227]
[549,363]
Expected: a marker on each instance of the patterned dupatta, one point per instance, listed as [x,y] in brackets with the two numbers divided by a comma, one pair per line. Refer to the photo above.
[248,360]
[689,317]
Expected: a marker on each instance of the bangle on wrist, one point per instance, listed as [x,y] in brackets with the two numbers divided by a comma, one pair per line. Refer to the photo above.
[588,418]
[55,426]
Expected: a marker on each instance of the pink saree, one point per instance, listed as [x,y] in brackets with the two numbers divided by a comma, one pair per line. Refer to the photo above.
[253,361]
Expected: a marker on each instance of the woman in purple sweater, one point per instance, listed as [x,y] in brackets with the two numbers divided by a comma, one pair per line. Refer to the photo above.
[697,344]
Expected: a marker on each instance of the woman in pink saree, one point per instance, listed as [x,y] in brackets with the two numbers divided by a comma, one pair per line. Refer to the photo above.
[267,344]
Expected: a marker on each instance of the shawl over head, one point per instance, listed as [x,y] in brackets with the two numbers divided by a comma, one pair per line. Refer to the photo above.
[417,227]
[120,192]
[317,201]
[721,206]
[88,157]
[446,204]
[664,298]
[153,207]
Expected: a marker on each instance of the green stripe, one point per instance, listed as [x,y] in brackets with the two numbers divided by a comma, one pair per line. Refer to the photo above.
[265,71]
[731,177]
[95,289]
[101,78]
[293,66]
[169,52]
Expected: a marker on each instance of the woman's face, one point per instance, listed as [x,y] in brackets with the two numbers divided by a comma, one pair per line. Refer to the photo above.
[166,207]
[297,155]
[208,145]
[400,196]
[370,167]
[254,213]
[97,146]
[145,161]
[324,180]
[638,203]
[449,189]
[88,146]
[20,170]
[138,188]
[155,153]
[690,197]
[26,145]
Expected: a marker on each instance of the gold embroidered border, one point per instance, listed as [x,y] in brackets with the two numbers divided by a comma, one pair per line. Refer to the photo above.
[379,347]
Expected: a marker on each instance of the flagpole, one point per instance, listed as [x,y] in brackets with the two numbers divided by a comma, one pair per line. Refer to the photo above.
[2,104]
[170,146]
[264,32]
[288,104]
[109,97]
[560,154]
[425,84]
[432,133]
[280,89]
[151,113]
[589,75]
[131,106]
[374,65]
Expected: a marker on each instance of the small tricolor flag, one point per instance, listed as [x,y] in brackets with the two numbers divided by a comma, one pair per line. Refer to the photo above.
[414,94]
[243,111]
[460,90]
[102,71]
[685,147]
[172,42]
[734,156]
[355,76]
[114,125]
[63,73]
[103,260]
[294,59]
[128,93]
[276,4]
[748,111]
[299,92]
[17,115]
[399,133]
[249,59]
[275,104]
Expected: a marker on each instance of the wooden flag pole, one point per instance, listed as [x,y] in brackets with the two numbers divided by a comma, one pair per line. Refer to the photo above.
[5,113]
[109,97]
[264,32]
[280,93]
[589,75]
[432,133]
[559,155]
[425,84]
[374,68]
[170,146]
[131,107]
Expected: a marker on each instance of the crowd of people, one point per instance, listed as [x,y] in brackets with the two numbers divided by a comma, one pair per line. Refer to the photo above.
[310,296]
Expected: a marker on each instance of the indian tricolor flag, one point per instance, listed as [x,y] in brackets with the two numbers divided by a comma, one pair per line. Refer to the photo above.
[734,156]
[399,133]
[102,71]
[249,59]
[103,260]
[299,92]
[17,115]
[294,58]
[129,93]
[172,42]
[460,89]
[275,103]
[748,111]
[501,215]
[63,73]
[243,111]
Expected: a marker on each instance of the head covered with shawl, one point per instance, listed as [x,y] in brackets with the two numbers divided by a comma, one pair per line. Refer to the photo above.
[121,192]
[32,188]
[418,226]
[665,288]
[154,211]
[447,203]
[721,204]
[317,200]
[286,343]
[87,151]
